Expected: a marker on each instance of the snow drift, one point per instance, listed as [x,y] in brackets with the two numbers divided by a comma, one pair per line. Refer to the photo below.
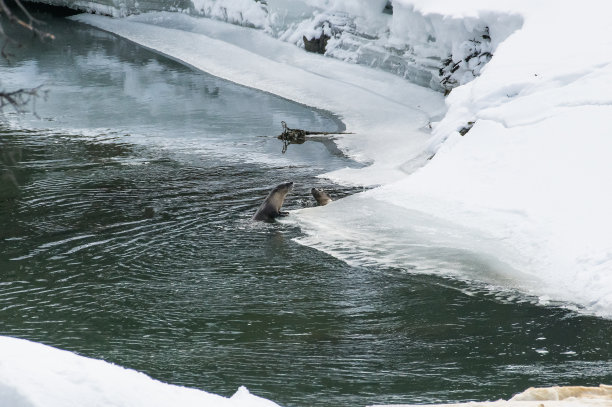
[36,375]
[532,172]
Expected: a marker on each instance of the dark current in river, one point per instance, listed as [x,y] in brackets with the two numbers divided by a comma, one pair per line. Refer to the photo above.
[125,235]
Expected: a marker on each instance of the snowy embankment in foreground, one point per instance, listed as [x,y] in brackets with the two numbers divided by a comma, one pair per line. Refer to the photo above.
[520,202]
[36,375]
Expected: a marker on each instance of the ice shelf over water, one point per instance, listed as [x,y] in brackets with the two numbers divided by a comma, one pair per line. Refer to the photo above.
[521,201]
[370,102]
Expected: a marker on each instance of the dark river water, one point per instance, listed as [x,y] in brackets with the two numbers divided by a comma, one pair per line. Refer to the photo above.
[125,235]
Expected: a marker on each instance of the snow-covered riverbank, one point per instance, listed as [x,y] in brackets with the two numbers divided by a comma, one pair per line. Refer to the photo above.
[523,193]
[37,375]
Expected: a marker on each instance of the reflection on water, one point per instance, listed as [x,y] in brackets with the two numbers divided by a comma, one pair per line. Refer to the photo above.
[125,234]
[110,86]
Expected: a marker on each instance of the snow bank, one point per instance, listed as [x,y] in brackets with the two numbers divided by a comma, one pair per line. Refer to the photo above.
[36,375]
[429,48]
[532,173]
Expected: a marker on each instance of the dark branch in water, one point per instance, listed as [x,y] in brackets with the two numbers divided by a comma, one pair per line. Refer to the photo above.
[19,98]
[298,136]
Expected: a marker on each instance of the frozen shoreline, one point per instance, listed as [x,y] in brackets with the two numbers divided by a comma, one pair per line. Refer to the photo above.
[519,202]
[369,102]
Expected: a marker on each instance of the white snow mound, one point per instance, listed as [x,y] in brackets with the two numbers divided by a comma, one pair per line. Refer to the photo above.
[37,375]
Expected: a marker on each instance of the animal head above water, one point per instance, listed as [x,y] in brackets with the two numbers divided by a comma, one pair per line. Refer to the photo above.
[278,194]
[320,196]
[283,188]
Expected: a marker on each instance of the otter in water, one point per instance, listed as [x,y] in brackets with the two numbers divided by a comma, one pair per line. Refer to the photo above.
[270,208]
[320,196]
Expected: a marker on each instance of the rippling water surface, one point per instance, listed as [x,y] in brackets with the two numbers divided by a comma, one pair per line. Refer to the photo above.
[125,234]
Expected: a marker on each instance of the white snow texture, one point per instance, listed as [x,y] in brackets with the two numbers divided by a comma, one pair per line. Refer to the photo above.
[36,375]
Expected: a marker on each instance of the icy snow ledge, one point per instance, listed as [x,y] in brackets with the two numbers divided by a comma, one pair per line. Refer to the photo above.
[426,46]
[523,199]
[36,375]
[569,396]
[388,114]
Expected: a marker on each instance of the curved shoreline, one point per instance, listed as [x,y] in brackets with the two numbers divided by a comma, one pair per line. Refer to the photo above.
[365,100]
[487,220]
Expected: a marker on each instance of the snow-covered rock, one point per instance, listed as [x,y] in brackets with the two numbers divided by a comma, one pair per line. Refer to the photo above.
[429,49]
[557,396]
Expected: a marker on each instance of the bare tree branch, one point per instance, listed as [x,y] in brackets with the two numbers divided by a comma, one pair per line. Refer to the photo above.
[19,98]
[29,25]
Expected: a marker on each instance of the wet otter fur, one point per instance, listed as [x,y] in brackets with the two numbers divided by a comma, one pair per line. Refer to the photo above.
[320,196]
[270,208]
